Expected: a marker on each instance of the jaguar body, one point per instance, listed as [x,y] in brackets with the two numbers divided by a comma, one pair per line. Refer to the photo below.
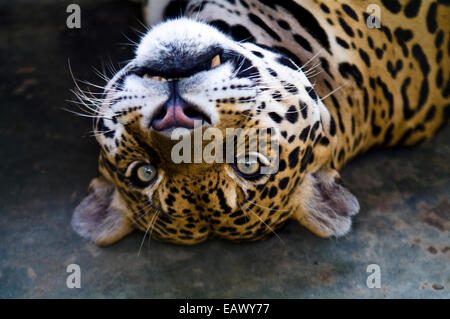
[332,78]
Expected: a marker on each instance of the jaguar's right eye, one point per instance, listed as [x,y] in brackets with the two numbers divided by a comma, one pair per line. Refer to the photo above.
[248,168]
[144,174]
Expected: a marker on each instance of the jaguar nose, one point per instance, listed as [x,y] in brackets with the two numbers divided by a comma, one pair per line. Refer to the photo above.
[176,112]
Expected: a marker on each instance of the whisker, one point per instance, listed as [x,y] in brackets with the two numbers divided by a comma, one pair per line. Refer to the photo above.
[148,228]
[311,58]
[278,210]
[332,92]
[270,228]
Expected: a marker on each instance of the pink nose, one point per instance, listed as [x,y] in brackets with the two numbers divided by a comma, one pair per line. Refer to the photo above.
[174,116]
[177,112]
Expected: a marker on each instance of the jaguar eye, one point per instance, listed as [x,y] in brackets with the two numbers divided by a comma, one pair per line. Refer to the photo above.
[156,78]
[215,62]
[248,168]
[146,173]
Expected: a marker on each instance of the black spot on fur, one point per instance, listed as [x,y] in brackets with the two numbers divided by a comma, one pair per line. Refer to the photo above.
[424,89]
[277,96]
[388,136]
[387,32]
[346,27]
[430,114]
[241,221]
[291,88]
[347,69]
[393,71]
[292,114]
[303,109]
[303,42]
[170,200]
[246,68]
[286,62]
[342,42]
[283,183]
[304,134]
[311,93]
[282,166]
[350,12]
[293,157]
[379,53]
[366,104]
[326,67]
[324,8]
[306,158]
[392,5]
[103,129]
[305,18]
[291,138]
[240,33]
[364,56]
[412,8]
[439,78]
[222,202]
[312,135]
[439,39]
[283,24]
[273,192]
[258,54]
[291,57]
[324,141]
[244,4]
[375,128]
[256,20]
[388,95]
[275,117]
[431,17]
[403,36]
[272,72]
[221,25]
[332,126]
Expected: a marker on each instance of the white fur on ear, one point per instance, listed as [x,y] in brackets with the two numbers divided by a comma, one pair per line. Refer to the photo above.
[99,216]
[325,206]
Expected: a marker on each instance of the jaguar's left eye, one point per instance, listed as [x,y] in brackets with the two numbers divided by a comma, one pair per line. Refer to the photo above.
[248,168]
[215,62]
[144,174]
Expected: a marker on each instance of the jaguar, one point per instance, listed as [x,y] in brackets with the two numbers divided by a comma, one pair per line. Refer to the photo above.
[332,78]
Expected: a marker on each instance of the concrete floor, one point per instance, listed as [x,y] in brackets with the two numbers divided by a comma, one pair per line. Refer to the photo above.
[47,160]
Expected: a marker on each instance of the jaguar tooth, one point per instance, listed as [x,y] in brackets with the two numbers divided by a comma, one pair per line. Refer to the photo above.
[215,62]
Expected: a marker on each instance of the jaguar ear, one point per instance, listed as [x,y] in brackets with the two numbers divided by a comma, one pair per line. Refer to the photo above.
[325,206]
[98,217]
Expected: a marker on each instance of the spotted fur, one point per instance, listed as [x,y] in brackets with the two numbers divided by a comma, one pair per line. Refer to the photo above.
[331,86]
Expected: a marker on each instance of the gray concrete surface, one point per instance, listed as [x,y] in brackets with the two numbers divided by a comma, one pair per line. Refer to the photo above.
[47,160]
